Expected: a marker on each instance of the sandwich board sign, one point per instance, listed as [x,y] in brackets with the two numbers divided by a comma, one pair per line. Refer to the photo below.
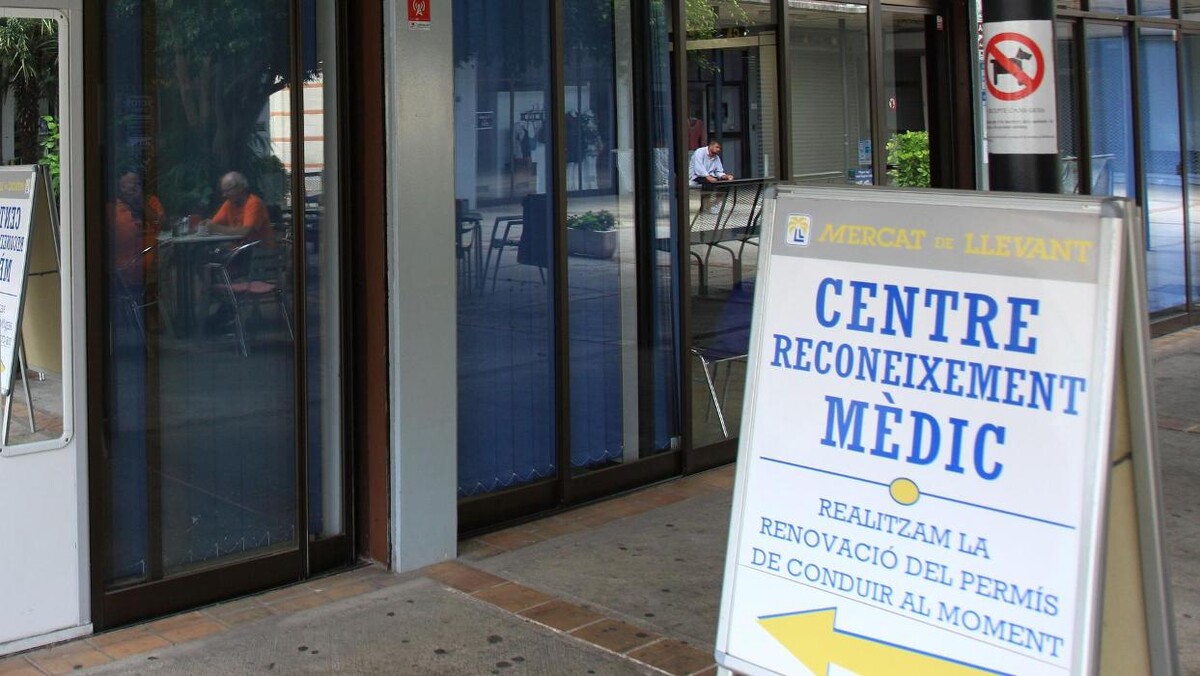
[923,471]
[19,185]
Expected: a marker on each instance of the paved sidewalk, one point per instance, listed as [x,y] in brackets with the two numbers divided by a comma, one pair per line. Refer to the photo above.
[564,595]
[627,586]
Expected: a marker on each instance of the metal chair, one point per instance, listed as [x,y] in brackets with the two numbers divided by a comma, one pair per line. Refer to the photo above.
[729,342]
[131,293]
[499,241]
[468,248]
[711,361]
[249,274]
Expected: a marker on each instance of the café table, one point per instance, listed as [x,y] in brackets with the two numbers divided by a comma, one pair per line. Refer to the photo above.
[191,252]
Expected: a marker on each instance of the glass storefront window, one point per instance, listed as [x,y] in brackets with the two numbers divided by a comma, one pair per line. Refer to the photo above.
[1154,7]
[664,312]
[732,99]
[1189,9]
[1191,168]
[1108,6]
[830,94]
[603,235]
[1070,138]
[728,18]
[199,167]
[504,216]
[1162,199]
[732,84]
[323,253]
[1110,108]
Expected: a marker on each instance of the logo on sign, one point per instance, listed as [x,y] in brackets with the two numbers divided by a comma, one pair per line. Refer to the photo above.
[1015,66]
[798,227]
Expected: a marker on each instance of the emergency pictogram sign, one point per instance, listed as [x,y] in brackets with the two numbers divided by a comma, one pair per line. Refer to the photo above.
[1015,66]
[418,15]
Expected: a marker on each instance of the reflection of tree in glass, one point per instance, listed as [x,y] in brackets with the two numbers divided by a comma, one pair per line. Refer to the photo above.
[505,21]
[701,22]
[216,63]
[29,73]
[702,16]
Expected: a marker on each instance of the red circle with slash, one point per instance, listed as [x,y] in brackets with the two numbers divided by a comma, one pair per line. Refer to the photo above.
[1010,66]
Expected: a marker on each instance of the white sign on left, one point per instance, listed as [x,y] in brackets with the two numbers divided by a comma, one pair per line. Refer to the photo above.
[18,187]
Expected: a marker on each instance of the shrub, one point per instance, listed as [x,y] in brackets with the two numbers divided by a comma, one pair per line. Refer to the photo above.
[596,221]
[908,159]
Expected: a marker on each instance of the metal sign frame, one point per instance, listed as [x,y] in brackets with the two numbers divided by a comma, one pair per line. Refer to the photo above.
[1110,218]
[1143,425]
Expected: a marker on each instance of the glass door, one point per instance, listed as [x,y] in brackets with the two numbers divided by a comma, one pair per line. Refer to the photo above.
[733,133]
[222,463]
[619,332]
[504,152]
[832,141]
[913,82]
[567,371]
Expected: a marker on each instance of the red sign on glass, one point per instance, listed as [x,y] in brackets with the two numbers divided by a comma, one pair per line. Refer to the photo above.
[418,15]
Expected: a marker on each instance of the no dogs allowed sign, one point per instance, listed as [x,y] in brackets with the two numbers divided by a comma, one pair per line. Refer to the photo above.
[1019,75]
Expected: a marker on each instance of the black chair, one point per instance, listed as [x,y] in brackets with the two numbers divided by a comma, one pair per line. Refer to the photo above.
[534,247]
[726,344]
[468,251]
[132,287]
[250,275]
[499,241]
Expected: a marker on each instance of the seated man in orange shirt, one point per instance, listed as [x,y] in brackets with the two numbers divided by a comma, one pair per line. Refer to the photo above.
[243,212]
[135,220]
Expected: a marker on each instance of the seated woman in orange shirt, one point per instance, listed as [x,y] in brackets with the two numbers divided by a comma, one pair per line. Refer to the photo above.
[243,212]
[135,220]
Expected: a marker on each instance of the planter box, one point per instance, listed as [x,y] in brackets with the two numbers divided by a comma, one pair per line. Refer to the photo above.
[591,244]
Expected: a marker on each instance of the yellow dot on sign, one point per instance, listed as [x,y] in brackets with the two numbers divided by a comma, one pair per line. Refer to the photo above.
[905,491]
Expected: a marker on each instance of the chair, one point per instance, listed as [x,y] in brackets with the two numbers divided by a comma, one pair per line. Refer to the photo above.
[249,275]
[1102,167]
[498,242]
[534,245]
[131,286]
[468,249]
[728,343]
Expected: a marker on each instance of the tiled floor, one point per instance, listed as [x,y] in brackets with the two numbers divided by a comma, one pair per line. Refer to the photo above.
[637,644]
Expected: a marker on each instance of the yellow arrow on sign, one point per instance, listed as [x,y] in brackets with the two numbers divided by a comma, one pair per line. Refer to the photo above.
[813,639]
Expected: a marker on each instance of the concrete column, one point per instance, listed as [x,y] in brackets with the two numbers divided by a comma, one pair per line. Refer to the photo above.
[419,81]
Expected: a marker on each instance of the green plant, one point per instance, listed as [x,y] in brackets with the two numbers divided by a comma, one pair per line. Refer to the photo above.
[908,159]
[29,72]
[595,221]
[50,155]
